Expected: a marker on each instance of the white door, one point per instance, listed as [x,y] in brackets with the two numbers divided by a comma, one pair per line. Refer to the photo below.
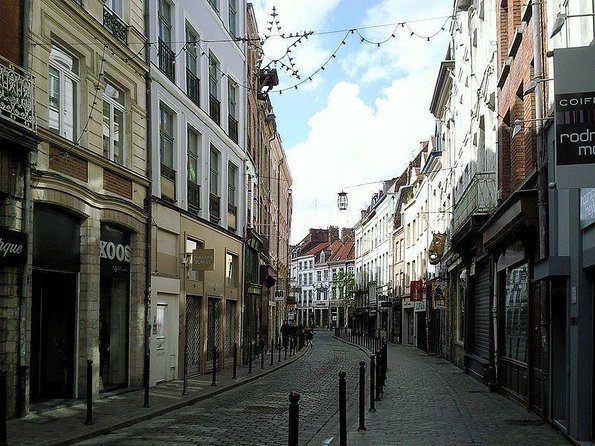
[161,361]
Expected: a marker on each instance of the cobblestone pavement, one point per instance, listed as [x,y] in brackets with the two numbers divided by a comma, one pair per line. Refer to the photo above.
[256,413]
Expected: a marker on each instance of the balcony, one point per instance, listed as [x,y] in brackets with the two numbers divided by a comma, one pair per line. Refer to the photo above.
[232,123]
[215,109]
[167,60]
[478,198]
[17,95]
[214,208]
[193,197]
[115,24]
[193,87]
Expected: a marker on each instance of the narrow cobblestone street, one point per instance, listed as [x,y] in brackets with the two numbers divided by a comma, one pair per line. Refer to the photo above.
[427,401]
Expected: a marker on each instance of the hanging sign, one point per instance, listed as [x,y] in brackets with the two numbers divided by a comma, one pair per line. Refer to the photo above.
[13,247]
[203,260]
[416,291]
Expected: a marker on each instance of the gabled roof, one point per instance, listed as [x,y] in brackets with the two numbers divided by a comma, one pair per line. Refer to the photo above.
[345,252]
[316,249]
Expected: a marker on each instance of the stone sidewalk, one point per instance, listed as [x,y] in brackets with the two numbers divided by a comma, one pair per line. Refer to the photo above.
[66,424]
[429,401]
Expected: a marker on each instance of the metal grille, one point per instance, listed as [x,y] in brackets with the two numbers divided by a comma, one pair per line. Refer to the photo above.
[193,332]
[230,328]
[214,321]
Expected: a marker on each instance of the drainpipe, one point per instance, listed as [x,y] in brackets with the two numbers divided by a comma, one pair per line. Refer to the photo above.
[149,226]
[21,403]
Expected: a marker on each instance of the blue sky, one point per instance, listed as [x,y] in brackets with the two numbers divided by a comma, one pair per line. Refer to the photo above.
[360,119]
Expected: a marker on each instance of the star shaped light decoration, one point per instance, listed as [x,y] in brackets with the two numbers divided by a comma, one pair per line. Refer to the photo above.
[277,46]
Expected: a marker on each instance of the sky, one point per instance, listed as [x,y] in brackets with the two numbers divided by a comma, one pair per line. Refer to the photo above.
[359,120]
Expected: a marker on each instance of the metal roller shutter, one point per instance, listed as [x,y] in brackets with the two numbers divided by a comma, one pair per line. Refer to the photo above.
[481,313]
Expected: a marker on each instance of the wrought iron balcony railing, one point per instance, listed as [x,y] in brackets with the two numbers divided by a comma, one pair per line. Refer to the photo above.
[215,109]
[115,24]
[214,208]
[166,60]
[193,197]
[233,128]
[17,95]
[479,197]
[193,87]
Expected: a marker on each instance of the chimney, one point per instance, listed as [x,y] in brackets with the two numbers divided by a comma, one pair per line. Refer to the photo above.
[347,234]
[333,233]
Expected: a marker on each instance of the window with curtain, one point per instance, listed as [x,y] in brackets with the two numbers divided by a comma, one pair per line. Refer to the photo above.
[113,123]
[63,85]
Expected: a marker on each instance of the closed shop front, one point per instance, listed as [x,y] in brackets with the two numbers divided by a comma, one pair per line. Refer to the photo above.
[478,353]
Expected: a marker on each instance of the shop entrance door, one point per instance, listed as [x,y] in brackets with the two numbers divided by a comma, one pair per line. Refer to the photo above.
[161,363]
[52,335]
[421,330]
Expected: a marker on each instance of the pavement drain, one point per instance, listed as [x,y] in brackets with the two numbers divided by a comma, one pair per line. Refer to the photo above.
[265,409]
[514,422]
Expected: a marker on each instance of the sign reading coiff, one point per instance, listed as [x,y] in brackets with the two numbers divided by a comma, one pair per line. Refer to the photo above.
[575,128]
[13,247]
[203,260]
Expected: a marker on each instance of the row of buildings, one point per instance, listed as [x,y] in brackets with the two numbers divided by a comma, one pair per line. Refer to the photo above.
[482,250]
[145,200]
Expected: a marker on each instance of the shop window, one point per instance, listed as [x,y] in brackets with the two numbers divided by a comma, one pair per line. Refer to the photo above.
[516,314]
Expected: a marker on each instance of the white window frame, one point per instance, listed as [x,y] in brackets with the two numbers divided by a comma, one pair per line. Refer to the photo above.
[67,68]
[115,105]
[115,6]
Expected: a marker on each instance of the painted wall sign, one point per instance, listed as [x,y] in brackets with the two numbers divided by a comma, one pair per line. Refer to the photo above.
[13,247]
[114,251]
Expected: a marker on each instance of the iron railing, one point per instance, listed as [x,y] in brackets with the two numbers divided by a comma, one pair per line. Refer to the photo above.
[215,109]
[166,60]
[193,87]
[193,197]
[214,208]
[17,95]
[115,24]
[233,128]
[479,197]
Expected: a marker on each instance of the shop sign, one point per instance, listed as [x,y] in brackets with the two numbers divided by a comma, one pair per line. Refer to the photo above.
[587,207]
[279,296]
[416,290]
[407,303]
[114,251]
[420,306]
[203,260]
[574,104]
[13,247]
[386,304]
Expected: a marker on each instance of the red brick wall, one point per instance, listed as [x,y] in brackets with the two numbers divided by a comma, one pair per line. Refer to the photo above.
[69,164]
[116,184]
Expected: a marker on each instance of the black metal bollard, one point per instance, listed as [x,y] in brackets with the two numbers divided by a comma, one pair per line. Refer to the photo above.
[342,409]
[272,351]
[3,428]
[279,348]
[294,418]
[185,382]
[214,383]
[372,384]
[89,419]
[378,376]
[362,396]
[250,357]
[385,359]
[235,359]
[285,348]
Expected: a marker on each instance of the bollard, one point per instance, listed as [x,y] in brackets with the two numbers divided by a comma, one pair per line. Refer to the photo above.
[214,383]
[262,355]
[378,375]
[3,428]
[362,396]
[235,359]
[89,419]
[385,359]
[185,382]
[285,348]
[250,357]
[272,351]
[372,384]
[294,418]
[342,409]
[279,348]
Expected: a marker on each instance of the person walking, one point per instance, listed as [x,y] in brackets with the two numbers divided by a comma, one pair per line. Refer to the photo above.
[309,337]
[285,334]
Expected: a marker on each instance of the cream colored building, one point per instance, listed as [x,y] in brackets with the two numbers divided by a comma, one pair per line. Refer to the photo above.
[89,188]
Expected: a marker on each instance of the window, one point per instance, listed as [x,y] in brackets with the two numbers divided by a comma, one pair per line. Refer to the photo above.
[166,137]
[214,198]
[166,151]
[232,209]
[516,316]
[231,270]
[232,121]
[214,4]
[318,276]
[191,245]
[113,123]
[233,17]
[115,6]
[166,54]
[193,169]
[214,75]
[192,74]
[63,93]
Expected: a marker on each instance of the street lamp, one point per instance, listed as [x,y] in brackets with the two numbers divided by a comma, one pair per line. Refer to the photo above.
[342,201]
[518,125]
[561,20]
